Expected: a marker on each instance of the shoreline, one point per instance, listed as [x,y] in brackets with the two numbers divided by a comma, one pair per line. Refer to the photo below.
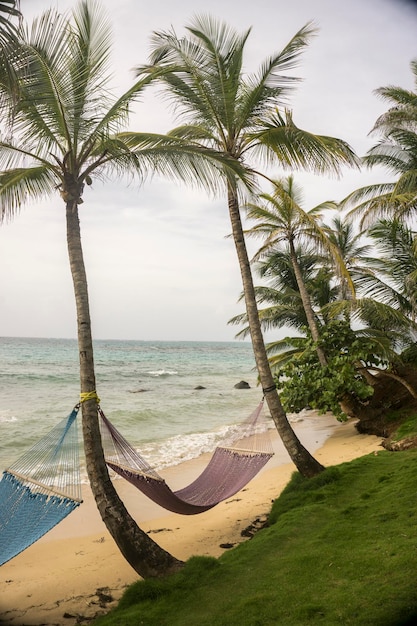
[76,571]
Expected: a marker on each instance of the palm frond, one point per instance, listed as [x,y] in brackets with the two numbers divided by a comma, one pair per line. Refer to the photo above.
[18,185]
[190,162]
[299,149]
[9,22]
[270,86]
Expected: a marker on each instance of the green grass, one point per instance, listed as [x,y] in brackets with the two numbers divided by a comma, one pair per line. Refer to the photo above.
[408,428]
[340,549]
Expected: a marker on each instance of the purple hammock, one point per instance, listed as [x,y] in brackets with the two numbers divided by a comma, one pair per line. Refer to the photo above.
[229,470]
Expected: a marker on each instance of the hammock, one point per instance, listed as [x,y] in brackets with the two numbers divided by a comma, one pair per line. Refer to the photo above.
[229,470]
[40,489]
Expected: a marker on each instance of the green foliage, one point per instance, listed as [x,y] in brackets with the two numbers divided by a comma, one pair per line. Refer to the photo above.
[304,382]
[409,355]
[8,29]
[355,518]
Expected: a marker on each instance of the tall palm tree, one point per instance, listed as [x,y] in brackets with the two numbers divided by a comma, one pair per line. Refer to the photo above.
[238,115]
[65,131]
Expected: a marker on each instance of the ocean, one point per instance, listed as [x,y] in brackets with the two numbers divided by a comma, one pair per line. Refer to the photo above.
[148,389]
[173,401]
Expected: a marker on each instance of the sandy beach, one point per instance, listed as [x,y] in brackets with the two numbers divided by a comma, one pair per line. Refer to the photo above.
[76,571]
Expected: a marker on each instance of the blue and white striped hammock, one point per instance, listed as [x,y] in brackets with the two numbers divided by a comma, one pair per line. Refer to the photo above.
[40,489]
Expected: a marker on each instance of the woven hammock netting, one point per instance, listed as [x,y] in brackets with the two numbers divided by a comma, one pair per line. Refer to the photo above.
[229,470]
[40,489]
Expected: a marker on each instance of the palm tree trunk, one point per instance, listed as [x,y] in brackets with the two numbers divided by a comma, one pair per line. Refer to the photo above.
[401,380]
[142,553]
[306,464]
[308,309]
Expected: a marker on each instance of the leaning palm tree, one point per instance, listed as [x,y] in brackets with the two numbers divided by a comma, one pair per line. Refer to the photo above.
[65,132]
[238,116]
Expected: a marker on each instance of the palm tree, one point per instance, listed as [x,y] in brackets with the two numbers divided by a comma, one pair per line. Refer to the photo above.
[394,266]
[371,349]
[238,115]
[385,309]
[280,219]
[281,293]
[352,250]
[397,152]
[65,132]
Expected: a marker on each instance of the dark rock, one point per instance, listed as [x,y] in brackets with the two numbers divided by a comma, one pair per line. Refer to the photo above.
[257,524]
[104,596]
[242,385]
[199,387]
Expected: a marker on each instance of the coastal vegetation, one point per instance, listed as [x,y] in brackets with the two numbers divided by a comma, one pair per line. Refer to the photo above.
[349,295]
[338,549]
[348,291]
[244,117]
[366,338]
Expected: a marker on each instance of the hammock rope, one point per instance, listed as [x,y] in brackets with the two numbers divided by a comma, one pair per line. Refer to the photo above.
[229,470]
[40,489]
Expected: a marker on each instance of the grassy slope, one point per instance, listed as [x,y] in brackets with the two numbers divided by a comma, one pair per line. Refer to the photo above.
[340,549]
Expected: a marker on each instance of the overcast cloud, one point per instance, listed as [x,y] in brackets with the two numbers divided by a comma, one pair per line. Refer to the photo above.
[159,263]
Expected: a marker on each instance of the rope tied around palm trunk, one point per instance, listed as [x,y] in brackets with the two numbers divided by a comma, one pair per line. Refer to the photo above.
[269,389]
[89,395]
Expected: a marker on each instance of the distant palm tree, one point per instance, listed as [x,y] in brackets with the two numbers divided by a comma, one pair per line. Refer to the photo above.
[385,275]
[65,132]
[280,220]
[281,293]
[384,311]
[394,266]
[238,116]
[397,152]
[352,250]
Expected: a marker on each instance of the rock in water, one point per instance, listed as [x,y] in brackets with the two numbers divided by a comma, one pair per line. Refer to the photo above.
[242,385]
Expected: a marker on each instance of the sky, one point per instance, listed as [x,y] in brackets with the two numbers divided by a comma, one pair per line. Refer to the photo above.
[160,264]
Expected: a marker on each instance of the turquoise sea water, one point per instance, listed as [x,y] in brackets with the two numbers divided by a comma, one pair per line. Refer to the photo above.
[146,388]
